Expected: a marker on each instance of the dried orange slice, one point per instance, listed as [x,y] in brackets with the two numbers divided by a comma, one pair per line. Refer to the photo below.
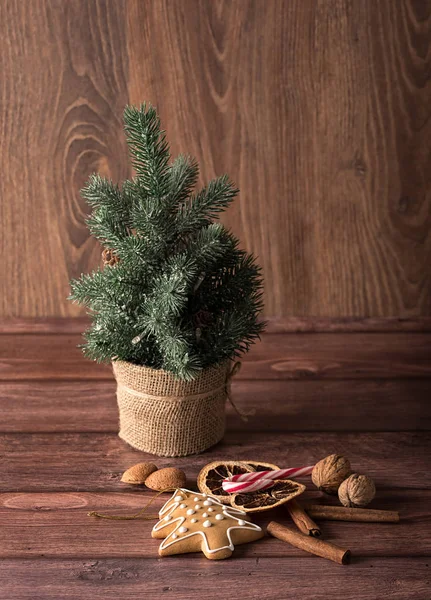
[211,476]
[282,491]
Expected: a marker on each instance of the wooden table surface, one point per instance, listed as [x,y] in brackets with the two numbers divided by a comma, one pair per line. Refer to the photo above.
[364,394]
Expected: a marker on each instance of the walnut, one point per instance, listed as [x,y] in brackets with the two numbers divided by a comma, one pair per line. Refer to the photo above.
[329,472]
[356,491]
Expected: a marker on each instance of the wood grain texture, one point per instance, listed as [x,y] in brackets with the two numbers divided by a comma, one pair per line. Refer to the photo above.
[68,531]
[134,578]
[304,356]
[318,110]
[54,325]
[368,405]
[21,507]
[63,89]
[61,458]
[95,461]
[397,144]
[347,324]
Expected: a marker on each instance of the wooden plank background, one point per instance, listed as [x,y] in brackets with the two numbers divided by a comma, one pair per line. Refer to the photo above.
[333,356]
[357,388]
[109,579]
[360,388]
[319,110]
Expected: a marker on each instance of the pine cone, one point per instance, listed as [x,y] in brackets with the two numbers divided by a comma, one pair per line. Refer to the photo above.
[202,318]
[109,257]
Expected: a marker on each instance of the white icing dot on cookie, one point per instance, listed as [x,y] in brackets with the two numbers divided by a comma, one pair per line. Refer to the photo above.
[205,515]
[197,506]
[178,498]
[183,505]
[182,529]
[207,503]
[168,518]
[241,522]
[196,499]
[210,509]
[219,517]
[207,523]
[204,495]
[194,520]
[174,536]
[190,511]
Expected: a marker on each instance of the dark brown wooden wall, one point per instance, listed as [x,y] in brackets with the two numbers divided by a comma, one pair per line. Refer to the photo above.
[318,109]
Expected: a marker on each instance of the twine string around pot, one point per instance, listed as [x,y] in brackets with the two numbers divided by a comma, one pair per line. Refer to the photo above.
[227,385]
[235,369]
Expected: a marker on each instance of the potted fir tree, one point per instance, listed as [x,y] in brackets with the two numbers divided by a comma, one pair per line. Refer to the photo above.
[176,299]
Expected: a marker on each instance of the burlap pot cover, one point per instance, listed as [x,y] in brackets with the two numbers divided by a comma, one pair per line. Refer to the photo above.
[168,417]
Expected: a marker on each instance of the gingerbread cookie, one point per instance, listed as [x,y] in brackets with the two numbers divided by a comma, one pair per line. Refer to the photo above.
[191,522]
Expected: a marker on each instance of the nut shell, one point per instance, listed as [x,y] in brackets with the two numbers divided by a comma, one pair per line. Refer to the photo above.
[330,472]
[357,491]
[170,478]
[137,474]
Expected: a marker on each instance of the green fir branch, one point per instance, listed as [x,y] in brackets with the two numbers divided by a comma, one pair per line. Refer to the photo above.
[148,148]
[206,205]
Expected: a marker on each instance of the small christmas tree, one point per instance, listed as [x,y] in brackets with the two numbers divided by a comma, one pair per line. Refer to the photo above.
[176,292]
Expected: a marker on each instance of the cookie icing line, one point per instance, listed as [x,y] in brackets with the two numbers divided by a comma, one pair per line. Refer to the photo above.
[180,520]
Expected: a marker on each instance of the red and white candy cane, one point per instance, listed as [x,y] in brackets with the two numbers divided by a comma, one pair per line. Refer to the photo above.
[261,480]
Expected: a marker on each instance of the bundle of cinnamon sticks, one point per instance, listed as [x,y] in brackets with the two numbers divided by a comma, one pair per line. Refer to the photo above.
[309,531]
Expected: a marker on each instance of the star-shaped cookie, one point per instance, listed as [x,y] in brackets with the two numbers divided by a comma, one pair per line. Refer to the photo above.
[191,522]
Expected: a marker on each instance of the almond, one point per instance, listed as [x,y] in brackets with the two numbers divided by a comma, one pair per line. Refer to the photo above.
[138,473]
[164,479]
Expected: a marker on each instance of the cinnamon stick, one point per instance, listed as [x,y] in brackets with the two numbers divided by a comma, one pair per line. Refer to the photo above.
[340,513]
[303,522]
[309,544]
